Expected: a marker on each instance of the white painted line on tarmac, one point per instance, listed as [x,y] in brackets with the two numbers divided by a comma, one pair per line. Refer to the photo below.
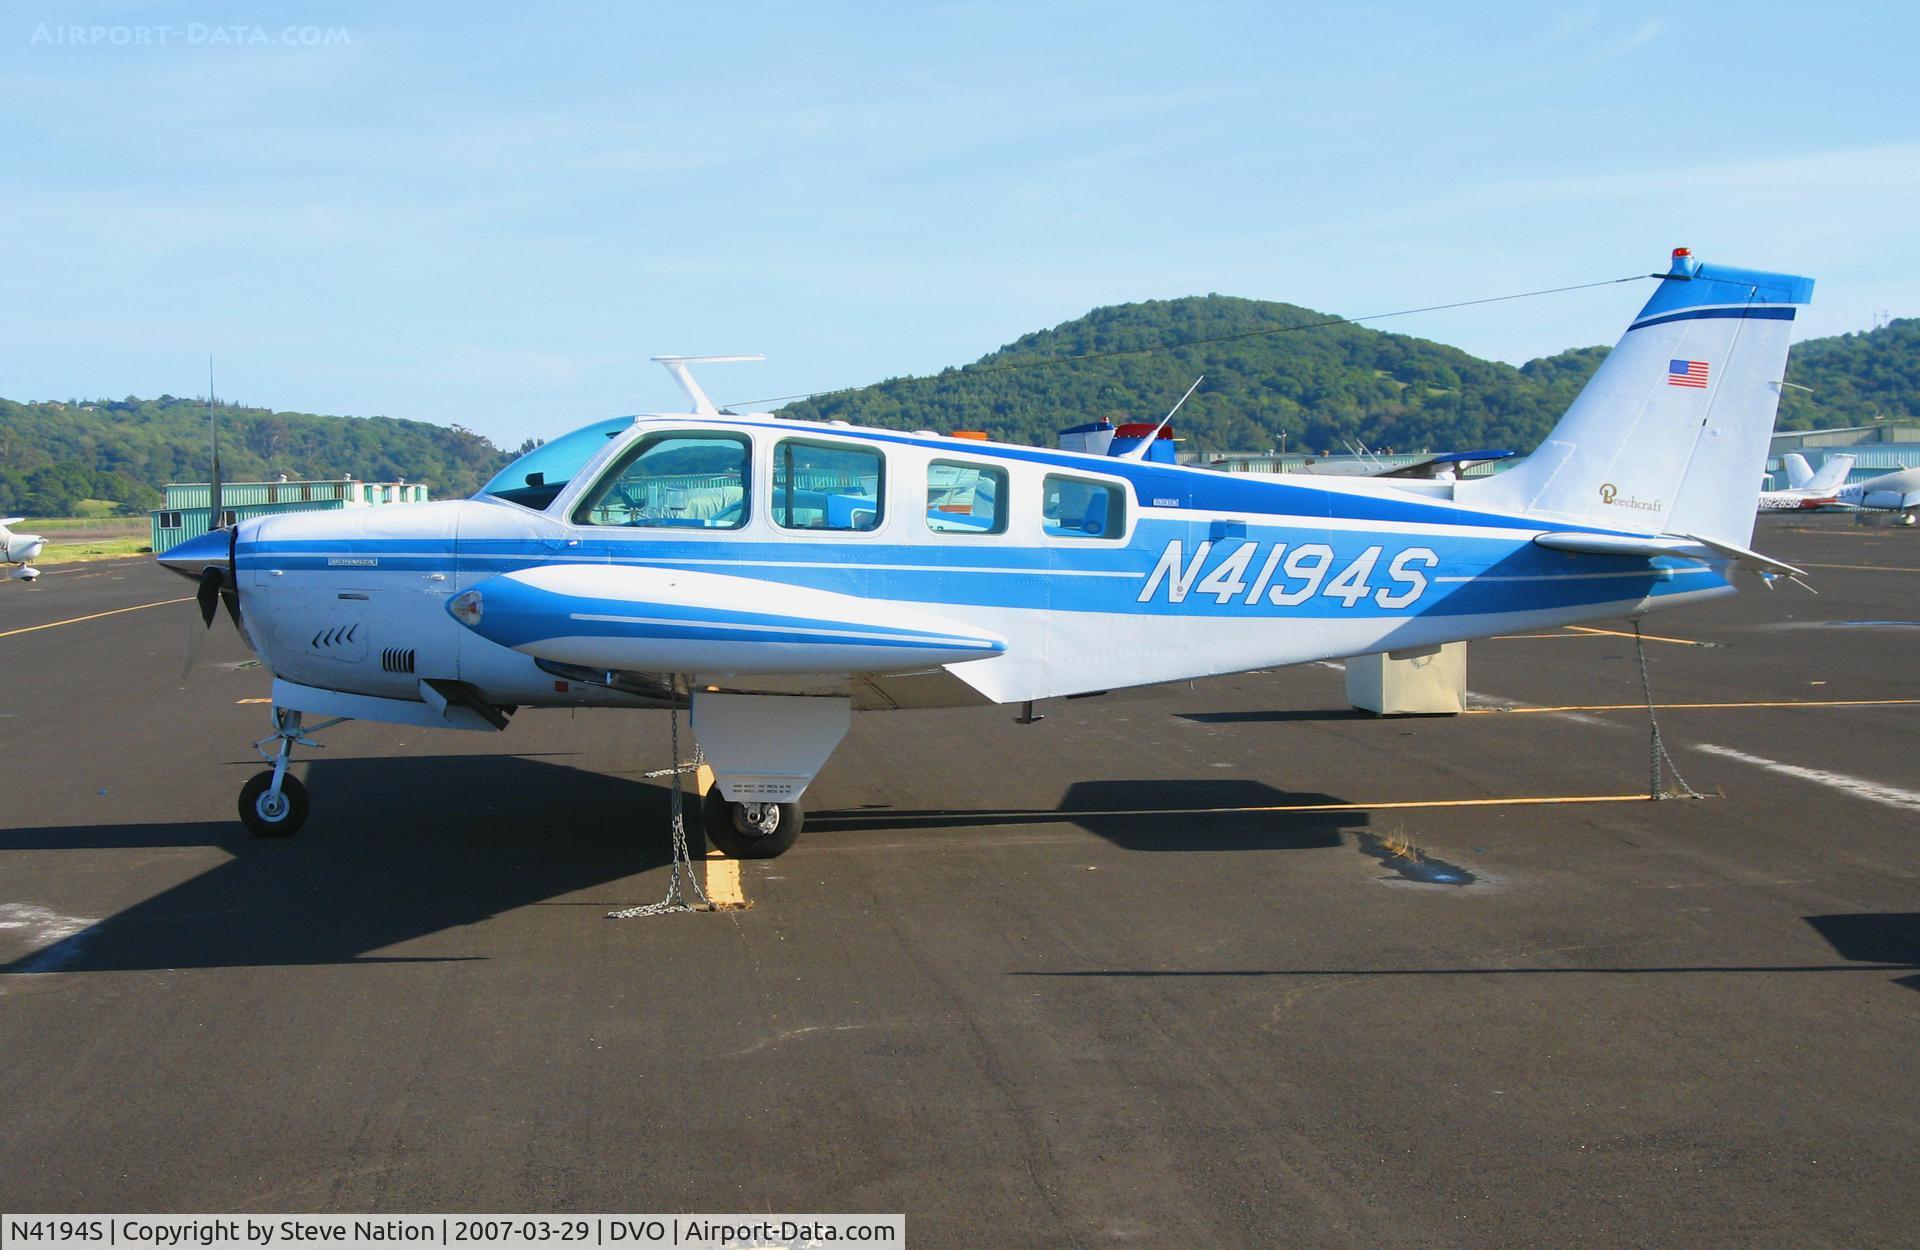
[45,931]
[1872,791]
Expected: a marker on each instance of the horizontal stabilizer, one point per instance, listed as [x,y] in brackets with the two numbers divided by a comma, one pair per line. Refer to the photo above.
[1674,546]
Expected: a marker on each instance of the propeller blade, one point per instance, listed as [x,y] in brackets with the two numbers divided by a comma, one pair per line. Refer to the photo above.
[194,638]
[213,487]
[211,583]
[230,587]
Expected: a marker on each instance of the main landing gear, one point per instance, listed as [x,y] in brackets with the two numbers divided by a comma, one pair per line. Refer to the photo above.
[749,830]
[274,804]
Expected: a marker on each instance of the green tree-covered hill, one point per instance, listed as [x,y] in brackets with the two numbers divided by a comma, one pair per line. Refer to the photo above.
[1311,386]
[52,455]
[1307,387]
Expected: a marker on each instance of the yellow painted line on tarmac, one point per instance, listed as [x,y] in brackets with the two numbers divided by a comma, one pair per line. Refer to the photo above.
[238,702]
[1620,633]
[1535,801]
[723,883]
[96,616]
[1517,637]
[1641,707]
[879,819]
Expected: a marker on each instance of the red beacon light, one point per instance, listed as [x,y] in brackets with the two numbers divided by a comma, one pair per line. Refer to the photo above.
[1681,253]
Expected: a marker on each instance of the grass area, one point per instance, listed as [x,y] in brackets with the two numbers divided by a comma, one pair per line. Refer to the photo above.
[50,526]
[114,548]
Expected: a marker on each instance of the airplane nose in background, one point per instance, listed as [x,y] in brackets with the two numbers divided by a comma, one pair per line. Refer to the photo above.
[195,554]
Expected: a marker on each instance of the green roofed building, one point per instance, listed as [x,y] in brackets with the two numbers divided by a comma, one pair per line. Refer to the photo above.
[184,514]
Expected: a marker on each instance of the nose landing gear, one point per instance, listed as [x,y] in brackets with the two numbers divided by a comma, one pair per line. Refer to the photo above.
[273,804]
[749,830]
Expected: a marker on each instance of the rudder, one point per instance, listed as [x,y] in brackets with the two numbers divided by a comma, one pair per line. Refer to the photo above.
[1670,435]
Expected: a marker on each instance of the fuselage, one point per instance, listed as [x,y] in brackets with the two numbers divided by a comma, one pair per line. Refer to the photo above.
[1094,572]
[1887,491]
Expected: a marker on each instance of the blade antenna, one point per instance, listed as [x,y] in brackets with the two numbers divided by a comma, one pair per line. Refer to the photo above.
[1140,452]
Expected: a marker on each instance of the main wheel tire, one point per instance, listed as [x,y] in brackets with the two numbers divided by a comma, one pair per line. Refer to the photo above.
[265,818]
[729,831]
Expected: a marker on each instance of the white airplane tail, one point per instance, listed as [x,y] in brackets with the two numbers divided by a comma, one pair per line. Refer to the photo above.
[1832,474]
[1671,432]
[1799,472]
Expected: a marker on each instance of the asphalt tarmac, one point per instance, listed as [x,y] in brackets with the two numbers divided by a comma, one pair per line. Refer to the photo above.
[1077,983]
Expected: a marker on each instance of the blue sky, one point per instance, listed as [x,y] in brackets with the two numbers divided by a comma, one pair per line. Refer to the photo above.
[493,215]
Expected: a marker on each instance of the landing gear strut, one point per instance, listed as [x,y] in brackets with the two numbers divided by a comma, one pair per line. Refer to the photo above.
[749,830]
[273,804]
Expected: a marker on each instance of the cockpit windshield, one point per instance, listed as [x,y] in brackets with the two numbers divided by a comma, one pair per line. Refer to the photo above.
[537,478]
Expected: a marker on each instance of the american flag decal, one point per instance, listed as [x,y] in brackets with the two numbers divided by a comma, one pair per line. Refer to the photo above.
[1687,373]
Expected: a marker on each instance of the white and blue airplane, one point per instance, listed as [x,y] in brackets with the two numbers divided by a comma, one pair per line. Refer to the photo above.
[1898,491]
[777,575]
[19,550]
[1807,489]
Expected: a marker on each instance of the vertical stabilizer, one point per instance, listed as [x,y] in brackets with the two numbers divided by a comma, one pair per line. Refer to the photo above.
[1799,472]
[1670,434]
[1832,474]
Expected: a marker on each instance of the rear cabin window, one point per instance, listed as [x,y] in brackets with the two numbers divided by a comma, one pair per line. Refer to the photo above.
[673,481]
[827,486]
[966,499]
[1073,507]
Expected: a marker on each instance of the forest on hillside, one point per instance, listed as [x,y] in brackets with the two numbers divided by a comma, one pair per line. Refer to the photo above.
[1277,376]
[52,455]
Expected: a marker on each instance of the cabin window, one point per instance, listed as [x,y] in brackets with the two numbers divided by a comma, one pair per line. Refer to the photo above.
[170,521]
[673,481]
[965,499]
[1072,507]
[827,486]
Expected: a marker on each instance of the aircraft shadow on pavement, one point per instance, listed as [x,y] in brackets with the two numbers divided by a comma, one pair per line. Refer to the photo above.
[1891,939]
[1277,715]
[1201,814]
[395,849]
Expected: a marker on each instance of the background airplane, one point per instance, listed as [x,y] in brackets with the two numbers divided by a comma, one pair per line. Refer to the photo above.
[18,549]
[775,575]
[1898,491]
[1805,488]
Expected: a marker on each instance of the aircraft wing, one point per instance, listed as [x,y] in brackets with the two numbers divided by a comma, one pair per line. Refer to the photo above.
[1455,462]
[663,620]
[1676,546]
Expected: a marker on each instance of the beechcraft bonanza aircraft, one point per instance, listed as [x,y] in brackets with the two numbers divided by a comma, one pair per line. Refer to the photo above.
[18,549]
[776,575]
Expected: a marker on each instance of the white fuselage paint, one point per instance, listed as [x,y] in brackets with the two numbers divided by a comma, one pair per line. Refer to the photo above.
[1274,589]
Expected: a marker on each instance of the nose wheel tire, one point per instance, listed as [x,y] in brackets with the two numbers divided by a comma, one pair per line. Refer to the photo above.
[270,815]
[749,830]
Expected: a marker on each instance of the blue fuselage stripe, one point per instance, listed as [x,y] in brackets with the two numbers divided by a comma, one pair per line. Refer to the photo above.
[1469,574]
[1760,312]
